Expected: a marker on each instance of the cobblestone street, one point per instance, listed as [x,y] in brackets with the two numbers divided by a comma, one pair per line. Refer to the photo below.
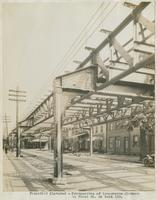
[34,172]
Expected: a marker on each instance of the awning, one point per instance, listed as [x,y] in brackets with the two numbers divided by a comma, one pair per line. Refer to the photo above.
[78,135]
[40,140]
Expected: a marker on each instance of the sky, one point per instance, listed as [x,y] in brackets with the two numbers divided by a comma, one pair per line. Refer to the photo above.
[36,37]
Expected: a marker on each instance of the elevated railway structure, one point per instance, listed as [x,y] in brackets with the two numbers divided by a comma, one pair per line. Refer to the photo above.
[114,82]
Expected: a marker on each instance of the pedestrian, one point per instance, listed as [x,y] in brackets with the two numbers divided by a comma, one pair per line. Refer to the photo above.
[6,148]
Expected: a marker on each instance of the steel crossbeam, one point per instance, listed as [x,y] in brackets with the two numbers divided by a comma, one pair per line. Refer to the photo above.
[111,102]
[113,115]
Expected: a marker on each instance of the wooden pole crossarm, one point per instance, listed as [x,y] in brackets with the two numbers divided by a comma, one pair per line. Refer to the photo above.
[19,100]
[17,95]
[17,91]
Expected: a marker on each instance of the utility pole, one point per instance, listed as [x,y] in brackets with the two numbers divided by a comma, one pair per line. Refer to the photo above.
[6,120]
[17,96]
[58,144]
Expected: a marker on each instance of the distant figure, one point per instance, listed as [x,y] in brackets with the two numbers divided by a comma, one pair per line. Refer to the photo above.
[6,148]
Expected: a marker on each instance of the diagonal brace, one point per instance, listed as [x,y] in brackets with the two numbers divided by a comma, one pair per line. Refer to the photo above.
[122,51]
[147,23]
[98,61]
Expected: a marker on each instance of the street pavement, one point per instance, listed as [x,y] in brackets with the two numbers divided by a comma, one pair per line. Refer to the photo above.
[34,172]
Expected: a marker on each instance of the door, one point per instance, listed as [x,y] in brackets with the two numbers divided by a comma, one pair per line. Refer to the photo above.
[151,144]
[117,149]
[126,145]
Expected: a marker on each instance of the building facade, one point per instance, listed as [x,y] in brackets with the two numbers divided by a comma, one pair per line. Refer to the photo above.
[112,138]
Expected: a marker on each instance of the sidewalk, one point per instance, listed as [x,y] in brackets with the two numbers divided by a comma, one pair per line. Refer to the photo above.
[126,158]
[11,177]
[21,176]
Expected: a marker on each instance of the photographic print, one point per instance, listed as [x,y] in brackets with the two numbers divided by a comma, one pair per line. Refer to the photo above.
[78,98]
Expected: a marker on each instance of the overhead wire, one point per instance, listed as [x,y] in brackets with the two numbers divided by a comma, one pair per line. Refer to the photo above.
[80,34]
[100,14]
[83,30]
[76,40]
[60,66]
[92,32]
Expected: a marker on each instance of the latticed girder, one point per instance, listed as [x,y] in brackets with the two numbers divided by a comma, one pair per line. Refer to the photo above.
[42,113]
[113,107]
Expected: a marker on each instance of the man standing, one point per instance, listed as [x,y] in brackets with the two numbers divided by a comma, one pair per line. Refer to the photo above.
[6,148]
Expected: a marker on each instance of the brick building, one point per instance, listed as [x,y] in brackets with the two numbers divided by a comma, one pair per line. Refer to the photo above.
[112,138]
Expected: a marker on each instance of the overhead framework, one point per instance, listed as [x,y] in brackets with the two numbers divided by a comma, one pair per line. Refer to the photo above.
[42,113]
[135,16]
[101,89]
[102,108]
